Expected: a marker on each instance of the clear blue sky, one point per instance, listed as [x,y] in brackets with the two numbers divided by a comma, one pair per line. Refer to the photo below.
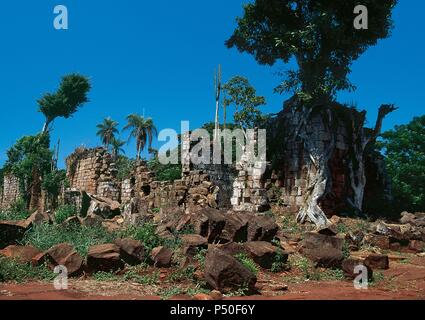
[159,56]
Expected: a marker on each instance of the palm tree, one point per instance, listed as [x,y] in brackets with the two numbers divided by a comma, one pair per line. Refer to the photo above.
[107,131]
[142,130]
[116,145]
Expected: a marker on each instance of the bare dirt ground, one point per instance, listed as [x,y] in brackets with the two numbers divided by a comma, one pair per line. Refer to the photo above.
[403,281]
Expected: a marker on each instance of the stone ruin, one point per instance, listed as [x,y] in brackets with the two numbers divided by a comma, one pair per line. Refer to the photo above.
[92,172]
[10,192]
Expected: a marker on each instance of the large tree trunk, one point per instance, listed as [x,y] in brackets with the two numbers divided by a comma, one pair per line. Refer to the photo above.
[307,150]
[319,176]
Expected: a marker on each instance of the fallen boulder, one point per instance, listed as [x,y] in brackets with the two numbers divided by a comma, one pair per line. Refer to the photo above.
[263,253]
[325,251]
[349,267]
[209,223]
[377,261]
[162,257]
[235,228]
[105,257]
[131,251]
[38,218]
[225,274]
[12,232]
[65,255]
[23,254]
[379,241]
[417,246]
[192,243]
[262,228]
[104,207]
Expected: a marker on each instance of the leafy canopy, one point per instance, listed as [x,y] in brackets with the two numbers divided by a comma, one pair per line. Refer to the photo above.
[107,131]
[143,130]
[28,154]
[240,93]
[71,95]
[319,34]
[404,148]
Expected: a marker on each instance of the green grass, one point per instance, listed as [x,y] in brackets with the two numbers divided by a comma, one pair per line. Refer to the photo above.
[280,262]
[290,225]
[341,228]
[46,236]
[16,212]
[168,293]
[133,275]
[378,277]
[106,276]
[183,274]
[64,212]
[11,270]
[198,289]
[201,255]
[247,262]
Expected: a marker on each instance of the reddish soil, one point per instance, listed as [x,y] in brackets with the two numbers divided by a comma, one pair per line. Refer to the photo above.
[402,282]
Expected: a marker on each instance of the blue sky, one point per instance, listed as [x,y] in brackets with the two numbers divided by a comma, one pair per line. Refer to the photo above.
[159,57]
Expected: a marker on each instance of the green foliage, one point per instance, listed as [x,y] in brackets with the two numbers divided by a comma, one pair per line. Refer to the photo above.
[105,276]
[165,172]
[168,293]
[107,131]
[201,255]
[17,211]
[280,262]
[240,93]
[404,149]
[117,147]
[64,212]
[125,167]
[183,274]
[134,275]
[141,129]
[70,96]
[30,154]
[11,270]
[145,234]
[247,262]
[46,236]
[319,34]
[53,182]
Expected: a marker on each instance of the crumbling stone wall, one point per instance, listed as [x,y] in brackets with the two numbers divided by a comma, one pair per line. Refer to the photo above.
[93,171]
[287,181]
[142,192]
[11,191]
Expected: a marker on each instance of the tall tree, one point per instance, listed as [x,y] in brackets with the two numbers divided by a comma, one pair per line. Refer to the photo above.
[117,147]
[107,131]
[141,129]
[70,96]
[243,96]
[319,34]
[404,149]
[217,87]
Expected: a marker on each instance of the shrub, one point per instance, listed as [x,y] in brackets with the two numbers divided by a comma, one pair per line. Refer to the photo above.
[247,262]
[46,236]
[17,211]
[64,212]
[11,270]
[145,234]
[279,263]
